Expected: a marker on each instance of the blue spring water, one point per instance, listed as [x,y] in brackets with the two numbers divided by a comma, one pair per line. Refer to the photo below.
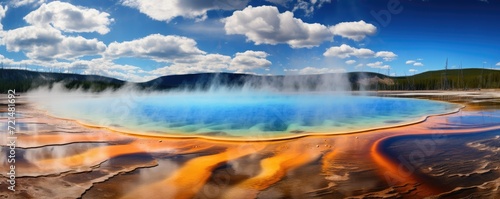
[251,115]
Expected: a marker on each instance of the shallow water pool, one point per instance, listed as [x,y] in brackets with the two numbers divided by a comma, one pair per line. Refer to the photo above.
[251,115]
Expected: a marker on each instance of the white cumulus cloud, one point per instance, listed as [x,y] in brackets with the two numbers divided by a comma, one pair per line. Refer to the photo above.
[166,10]
[241,62]
[386,55]
[19,3]
[345,51]
[69,18]
[350,62]
[498,64]
[414,63]
[158,47]
[266,25]
[197,64]
[3,10]
[356,31]
[410,62]
[98,66]
[313,70]
[48,44]
[378,65]
[249,60]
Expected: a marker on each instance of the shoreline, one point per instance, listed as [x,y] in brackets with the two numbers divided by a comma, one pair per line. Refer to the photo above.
[250,139]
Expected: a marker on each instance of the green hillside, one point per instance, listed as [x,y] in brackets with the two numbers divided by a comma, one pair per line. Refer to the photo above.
[465,79]
[22,81]
[455,79]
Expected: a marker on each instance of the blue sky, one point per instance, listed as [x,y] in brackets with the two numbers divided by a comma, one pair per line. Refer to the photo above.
[141,40]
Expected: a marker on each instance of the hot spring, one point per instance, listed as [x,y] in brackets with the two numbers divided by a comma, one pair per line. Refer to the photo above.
[243,115]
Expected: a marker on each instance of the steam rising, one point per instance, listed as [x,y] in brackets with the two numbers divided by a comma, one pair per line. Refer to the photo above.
[234,106]
[338,82]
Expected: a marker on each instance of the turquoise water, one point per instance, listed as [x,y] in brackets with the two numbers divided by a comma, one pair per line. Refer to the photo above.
[251,115]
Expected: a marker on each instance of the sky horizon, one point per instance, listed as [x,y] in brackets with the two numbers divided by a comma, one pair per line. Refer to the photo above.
[141,40]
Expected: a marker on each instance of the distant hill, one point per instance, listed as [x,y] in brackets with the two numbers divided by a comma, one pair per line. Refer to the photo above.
[454,79]
[339,81]
[23,80]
